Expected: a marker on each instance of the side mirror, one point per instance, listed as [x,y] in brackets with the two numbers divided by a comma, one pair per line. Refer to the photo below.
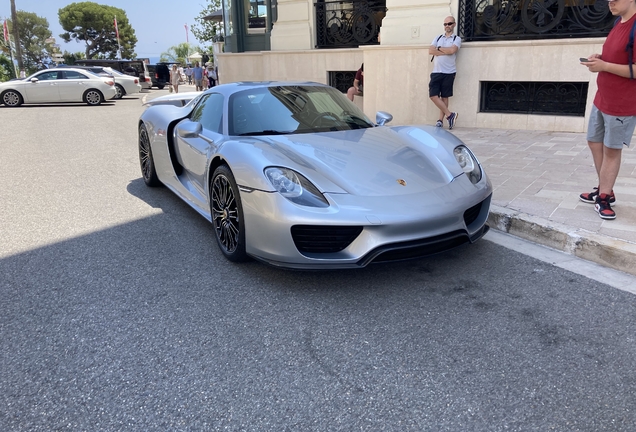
[34,80]
[382,118]
[189,129]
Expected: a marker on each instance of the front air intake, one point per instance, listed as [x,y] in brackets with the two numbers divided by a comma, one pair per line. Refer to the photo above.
[323,239]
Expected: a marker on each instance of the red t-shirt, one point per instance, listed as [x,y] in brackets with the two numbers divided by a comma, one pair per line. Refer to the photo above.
[359,77]
[617,95]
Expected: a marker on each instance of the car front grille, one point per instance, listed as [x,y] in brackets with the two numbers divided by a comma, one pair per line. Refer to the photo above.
[323,239]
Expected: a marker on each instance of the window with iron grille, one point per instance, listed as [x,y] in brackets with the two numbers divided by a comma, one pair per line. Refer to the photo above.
[531,97]
[482,20]
[341,80]
[348,24]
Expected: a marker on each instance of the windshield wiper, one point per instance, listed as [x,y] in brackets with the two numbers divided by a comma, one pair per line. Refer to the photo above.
[266,132]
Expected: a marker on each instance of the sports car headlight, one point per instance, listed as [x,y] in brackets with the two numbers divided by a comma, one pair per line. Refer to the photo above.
[468,162]
[295,187]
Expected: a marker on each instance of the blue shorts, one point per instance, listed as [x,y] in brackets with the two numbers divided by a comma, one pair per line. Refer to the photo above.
[613,131]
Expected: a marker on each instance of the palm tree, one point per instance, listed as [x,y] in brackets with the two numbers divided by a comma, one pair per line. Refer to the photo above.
[178,53]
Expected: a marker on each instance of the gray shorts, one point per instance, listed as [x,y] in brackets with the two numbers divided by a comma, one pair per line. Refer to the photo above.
[615,132]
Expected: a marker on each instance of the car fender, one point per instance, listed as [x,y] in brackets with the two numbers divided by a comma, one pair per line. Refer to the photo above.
[248,159]
[15,89]
[434,140]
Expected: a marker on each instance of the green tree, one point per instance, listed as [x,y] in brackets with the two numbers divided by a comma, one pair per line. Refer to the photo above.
[69,58]
[34,31]
[178,53]
[94,24]
[7,70]
[208,31]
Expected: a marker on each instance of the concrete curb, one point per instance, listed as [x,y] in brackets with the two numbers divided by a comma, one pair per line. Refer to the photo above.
[607,251]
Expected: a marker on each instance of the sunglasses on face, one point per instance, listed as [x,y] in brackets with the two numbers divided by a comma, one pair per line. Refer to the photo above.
[450,24]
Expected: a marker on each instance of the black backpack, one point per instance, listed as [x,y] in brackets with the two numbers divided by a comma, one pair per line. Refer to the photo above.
[629,48]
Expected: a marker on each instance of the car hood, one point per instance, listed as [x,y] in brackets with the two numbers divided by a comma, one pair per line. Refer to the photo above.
[376,161]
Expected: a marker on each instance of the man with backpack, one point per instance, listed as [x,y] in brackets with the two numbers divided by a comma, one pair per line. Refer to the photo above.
[444,51]
[613,116]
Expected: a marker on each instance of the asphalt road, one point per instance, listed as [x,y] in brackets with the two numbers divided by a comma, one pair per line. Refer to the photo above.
[119,313]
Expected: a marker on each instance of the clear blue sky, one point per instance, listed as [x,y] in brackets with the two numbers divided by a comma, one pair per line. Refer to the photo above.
[158,24]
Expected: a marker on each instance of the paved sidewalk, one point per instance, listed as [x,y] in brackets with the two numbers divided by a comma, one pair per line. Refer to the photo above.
[537,177]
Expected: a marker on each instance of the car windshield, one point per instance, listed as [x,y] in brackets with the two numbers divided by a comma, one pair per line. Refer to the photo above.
[297,109]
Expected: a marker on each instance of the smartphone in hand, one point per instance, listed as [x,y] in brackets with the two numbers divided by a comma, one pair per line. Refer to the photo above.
[584,59]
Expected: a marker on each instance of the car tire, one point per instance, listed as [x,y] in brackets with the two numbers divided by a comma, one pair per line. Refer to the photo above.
[93,97]
[227,215]
[146,161]
[11,98]
[120,91]
[160,87]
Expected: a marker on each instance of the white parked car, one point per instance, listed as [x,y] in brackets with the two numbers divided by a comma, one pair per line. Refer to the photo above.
[58,85]
[124,84]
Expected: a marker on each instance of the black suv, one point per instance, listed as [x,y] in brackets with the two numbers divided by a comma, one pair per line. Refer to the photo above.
[159,74]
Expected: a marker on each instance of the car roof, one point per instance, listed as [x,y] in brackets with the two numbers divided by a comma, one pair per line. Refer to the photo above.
[108,61]
[66,68]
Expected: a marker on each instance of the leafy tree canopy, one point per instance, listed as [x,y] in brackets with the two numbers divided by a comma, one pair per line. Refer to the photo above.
[208,31]
[34,31]
[94,24]
[70,58]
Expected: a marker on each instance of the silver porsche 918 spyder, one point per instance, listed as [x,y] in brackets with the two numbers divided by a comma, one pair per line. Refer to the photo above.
[295,175]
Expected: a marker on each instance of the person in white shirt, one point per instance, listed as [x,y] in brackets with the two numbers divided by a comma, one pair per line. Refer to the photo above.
[444,51]
[188,74]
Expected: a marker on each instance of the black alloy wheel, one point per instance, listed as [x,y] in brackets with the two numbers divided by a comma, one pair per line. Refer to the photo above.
[146,161]
[227,214]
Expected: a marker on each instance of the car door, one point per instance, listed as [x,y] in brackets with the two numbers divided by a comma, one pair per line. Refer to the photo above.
[73,85]
[44,87]
[193,151]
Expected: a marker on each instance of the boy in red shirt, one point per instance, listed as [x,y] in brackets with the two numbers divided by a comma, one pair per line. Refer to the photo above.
[613,116]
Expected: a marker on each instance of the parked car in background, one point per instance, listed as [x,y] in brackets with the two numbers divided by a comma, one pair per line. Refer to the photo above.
[136,68]
[124,84]
[159,74]
[58,85]
[297,176]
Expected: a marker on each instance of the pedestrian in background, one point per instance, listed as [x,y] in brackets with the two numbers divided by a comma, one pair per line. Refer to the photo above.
[613,115]
[197,73]
[358,84]
[205,81]
[211,76]
[188,74]
[182,76]
[174,78]
[440,88]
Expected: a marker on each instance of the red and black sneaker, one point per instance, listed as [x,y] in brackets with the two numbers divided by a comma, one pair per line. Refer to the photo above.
[603,207]
[590,197]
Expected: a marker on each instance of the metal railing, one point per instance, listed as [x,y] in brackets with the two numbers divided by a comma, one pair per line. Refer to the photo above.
[348,24]
[487,20]
[525,97]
